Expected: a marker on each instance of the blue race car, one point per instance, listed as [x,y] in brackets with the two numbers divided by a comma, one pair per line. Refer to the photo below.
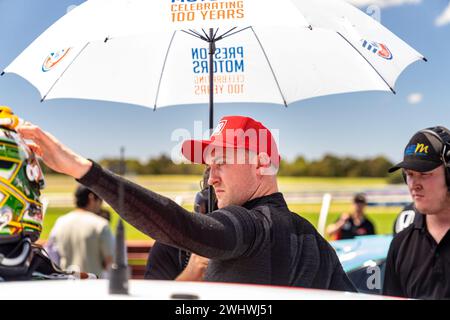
[363,259]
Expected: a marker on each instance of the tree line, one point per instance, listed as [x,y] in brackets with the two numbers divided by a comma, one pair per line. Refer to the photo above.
[328,166]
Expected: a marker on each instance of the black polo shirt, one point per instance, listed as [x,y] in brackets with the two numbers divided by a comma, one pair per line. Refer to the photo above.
[418,267]
[165,262]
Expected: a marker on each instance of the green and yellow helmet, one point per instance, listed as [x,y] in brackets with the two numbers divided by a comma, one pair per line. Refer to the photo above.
[21,182]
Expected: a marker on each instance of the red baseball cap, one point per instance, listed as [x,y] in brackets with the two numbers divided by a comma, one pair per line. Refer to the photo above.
[234,132]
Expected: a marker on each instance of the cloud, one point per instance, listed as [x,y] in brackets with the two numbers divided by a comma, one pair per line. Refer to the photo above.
[382,3]
[444,18]
[415,98]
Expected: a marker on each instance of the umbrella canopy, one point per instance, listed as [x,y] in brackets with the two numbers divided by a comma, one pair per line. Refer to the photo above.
[156,53]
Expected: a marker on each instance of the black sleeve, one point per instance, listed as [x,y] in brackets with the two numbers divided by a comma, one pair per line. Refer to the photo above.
[340,280]
[391,285]
[223,234]
[163,263]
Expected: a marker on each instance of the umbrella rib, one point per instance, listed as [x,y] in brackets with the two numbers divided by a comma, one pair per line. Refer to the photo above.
[215,33]
[206,35]
[61,75]
[228,34]
[270,66]
[223,35]
[374,69]
[163,68]
[195,34]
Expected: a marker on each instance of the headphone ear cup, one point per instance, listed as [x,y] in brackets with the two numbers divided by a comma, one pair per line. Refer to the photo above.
[447,166]
[447,156]
[447,175]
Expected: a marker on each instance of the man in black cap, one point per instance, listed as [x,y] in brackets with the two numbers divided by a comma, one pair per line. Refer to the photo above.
[418,262]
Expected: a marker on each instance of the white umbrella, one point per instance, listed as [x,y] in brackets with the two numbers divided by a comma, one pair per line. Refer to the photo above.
[156,53]
[161,53]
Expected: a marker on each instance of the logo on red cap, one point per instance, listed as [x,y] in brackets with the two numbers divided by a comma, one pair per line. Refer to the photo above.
[218,130]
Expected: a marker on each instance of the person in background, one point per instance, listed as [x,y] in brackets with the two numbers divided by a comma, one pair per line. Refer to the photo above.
[355,223]
[81,238]
[170,263]
[418,261]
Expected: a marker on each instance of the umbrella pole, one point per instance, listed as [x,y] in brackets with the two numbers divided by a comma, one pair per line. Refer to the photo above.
[212,50]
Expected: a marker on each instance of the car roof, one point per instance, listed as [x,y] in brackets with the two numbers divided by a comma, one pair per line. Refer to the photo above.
[363,250]
[162,290]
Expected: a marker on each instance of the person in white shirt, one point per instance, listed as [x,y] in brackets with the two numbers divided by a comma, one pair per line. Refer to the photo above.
[83,240]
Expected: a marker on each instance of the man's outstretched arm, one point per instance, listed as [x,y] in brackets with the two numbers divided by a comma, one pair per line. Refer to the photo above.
[223,234]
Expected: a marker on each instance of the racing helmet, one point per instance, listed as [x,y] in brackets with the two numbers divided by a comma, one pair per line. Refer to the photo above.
[21,182]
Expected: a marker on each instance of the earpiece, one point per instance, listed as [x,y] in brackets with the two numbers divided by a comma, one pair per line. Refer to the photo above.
[443,135]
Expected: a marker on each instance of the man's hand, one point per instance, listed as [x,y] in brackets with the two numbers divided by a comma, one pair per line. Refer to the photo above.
[195,270]
[54,154]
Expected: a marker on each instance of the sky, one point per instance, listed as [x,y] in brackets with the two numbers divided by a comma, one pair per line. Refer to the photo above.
[361,125]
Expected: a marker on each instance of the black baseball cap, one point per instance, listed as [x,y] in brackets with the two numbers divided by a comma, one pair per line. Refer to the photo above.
[423,153]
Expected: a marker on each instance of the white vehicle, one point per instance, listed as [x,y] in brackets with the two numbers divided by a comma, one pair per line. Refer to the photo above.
[166,290]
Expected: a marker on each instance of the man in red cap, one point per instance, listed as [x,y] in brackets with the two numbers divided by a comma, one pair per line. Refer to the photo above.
[251,152]
[251,238]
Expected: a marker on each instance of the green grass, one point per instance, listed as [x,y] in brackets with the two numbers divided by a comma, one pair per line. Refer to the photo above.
[334,181]
[54,213]
[157,183]
[177,183]
[382,217]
